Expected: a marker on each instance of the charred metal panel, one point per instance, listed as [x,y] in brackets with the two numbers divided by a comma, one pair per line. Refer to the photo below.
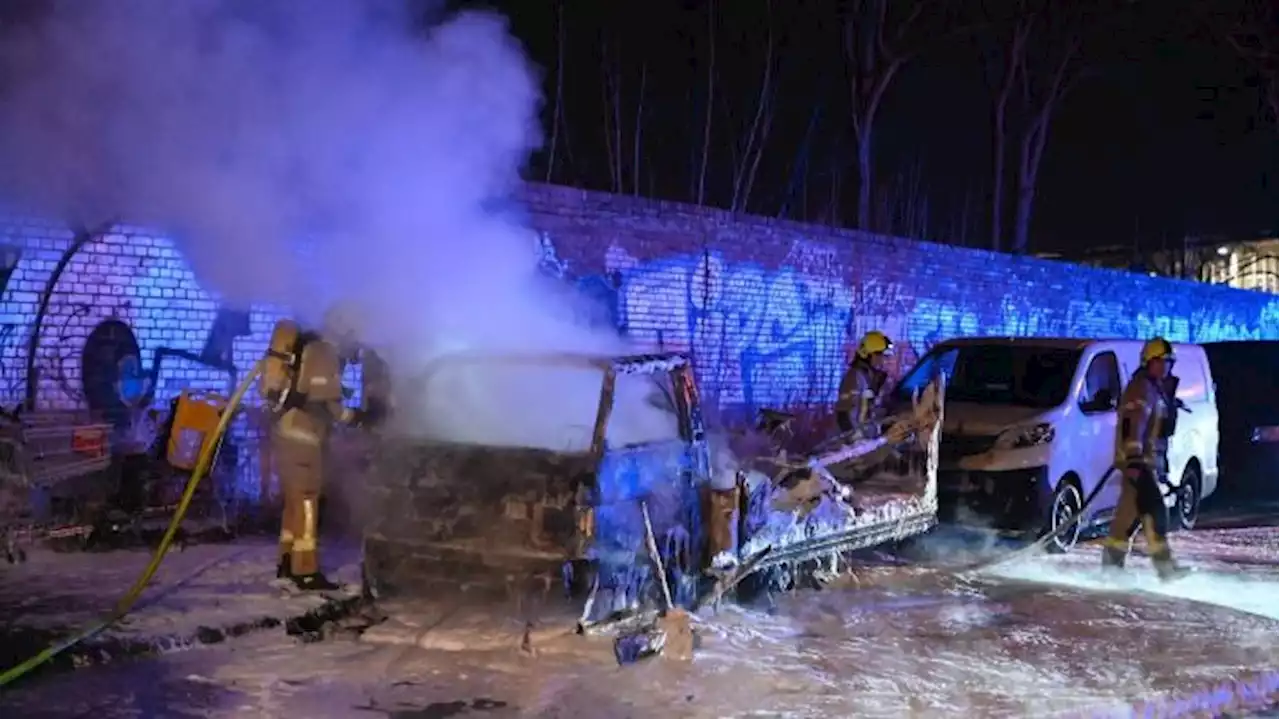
[441,510]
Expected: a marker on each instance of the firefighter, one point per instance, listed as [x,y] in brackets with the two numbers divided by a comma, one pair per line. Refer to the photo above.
[1147,419]
[860,387]
[302,386]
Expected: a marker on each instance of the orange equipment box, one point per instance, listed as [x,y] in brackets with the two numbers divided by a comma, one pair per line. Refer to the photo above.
[194,420]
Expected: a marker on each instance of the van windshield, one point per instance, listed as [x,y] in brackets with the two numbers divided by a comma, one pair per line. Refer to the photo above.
[1023,375]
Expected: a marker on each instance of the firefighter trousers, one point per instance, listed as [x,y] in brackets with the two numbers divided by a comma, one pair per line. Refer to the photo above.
[300,467]
[1141,502]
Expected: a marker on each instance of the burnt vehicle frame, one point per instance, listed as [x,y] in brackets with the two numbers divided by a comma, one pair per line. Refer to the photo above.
[640,512]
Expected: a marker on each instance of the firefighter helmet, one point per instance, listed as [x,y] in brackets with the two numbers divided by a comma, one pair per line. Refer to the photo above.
[873,343]
[1157,348]
[341,322]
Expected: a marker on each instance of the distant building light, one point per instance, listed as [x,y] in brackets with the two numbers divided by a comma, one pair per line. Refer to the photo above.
[1223,250]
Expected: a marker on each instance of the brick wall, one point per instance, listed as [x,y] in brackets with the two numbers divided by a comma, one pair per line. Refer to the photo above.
[769,307]
[131,275]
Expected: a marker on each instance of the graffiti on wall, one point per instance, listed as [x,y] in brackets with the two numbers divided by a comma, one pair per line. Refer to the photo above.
[130,321]
[126,326]
[775,336]
[595,298]
[745,325]
[218,350]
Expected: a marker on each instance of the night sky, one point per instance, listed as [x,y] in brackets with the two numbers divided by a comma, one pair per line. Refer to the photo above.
[1167,134]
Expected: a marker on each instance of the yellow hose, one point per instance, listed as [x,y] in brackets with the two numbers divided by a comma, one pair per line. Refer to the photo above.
[131,597]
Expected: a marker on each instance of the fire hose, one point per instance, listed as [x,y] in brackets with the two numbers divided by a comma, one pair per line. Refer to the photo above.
[203,462]
[1043,541]
[984,564]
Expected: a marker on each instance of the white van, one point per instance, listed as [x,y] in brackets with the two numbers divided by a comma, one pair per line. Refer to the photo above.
[1030,428]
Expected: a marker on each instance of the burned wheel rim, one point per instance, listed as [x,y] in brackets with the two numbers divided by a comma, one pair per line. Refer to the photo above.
[1066,504]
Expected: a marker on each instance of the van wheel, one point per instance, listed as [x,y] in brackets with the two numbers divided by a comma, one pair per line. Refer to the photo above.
[1186,509]
[1066,504]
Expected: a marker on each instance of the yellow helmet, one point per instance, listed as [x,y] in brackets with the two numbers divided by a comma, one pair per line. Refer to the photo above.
[1157,348]
[875,342]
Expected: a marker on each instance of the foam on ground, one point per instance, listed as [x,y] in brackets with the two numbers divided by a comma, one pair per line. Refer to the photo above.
[1253,592]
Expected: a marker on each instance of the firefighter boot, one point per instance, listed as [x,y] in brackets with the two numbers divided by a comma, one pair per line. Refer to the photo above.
[1113,554]
[314,582]
[1166,568]
[282,569]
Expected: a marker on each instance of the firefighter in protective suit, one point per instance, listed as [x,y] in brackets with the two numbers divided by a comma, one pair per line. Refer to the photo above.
[1148,417]
[860,387]
[302,387]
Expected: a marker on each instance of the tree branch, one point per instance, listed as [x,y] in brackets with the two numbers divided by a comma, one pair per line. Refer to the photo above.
[1058,87]
[755,163]
[1253,38]
[555,115]
[612,153]
[635,142]
[616,73]
[875,48]
[711,93]
[757,133]
[1014,54]
[800,166]
[1061,78]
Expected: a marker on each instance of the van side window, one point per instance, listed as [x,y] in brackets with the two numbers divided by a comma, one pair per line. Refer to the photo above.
[1192,384]
[1101,384]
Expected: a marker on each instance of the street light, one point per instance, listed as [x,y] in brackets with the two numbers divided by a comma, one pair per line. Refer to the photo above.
[1223,250]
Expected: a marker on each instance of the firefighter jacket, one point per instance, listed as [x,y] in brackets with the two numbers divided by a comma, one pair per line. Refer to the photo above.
[859,390]
[1145,424]
[317,400]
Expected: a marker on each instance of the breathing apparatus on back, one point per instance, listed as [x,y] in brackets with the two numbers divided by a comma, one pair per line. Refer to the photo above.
[283,371]
[278,384]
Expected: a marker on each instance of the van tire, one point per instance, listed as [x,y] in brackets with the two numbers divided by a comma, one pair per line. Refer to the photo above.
[1067,501]
[1186,509]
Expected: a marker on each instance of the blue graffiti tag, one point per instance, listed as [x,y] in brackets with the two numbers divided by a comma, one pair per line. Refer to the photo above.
[776,337]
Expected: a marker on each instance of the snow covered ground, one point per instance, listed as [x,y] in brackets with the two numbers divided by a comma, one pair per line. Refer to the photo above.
[1035,638]
[220,587]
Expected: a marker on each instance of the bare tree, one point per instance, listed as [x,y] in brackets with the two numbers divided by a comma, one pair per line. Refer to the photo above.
[798,181]
[1252,34]
[1045,78]
[611,87]
[1031,57]
[623,165]
[638,131]
[711,93]
[903,204]
[557,113]
[744,176]
[830,213]
[1001,62]
[879,38]
[959,234]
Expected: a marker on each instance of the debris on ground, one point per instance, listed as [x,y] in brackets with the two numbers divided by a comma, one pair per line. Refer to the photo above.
[204,595]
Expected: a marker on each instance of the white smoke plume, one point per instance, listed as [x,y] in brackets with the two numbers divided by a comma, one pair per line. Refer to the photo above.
[380,138]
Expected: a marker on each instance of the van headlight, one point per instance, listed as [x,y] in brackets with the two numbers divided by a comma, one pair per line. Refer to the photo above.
[1023,437]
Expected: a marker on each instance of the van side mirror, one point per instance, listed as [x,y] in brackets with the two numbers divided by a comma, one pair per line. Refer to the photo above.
[1103,401]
